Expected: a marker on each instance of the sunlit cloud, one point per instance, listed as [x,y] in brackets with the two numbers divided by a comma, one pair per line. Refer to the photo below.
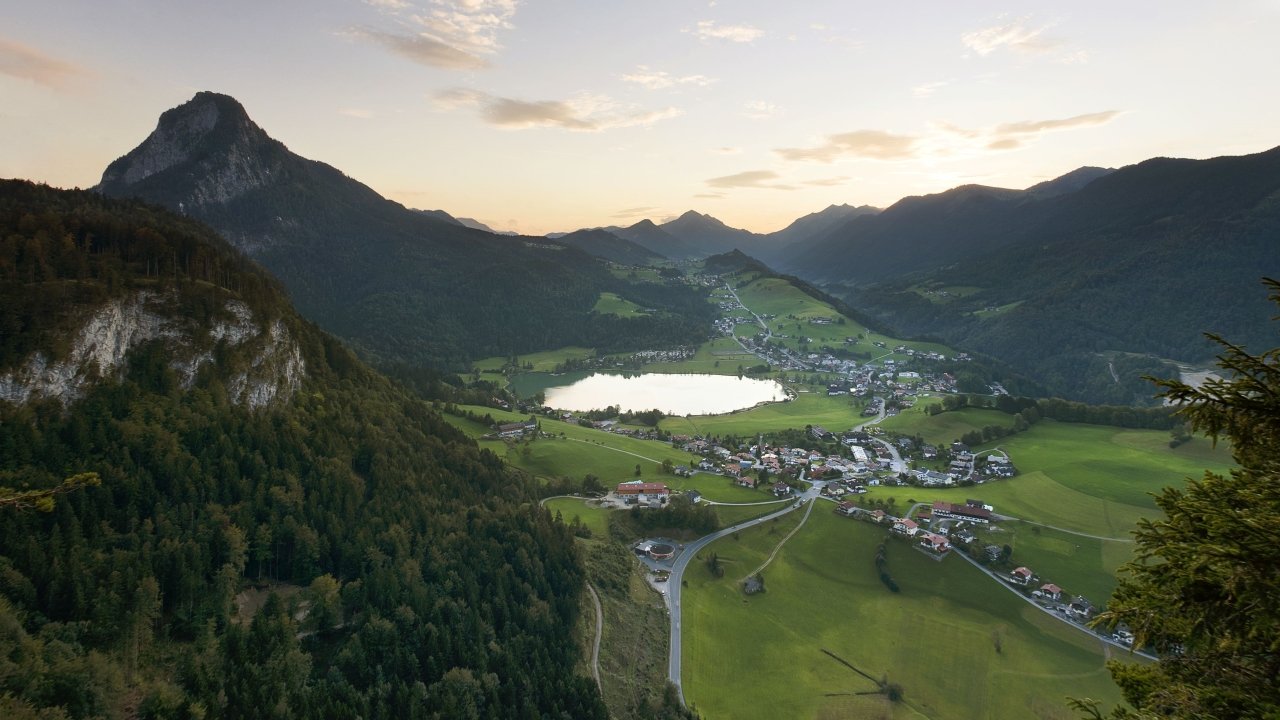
[827,182]
[709,196]
[760,110]
[927,89]
[581,113]
[358,113]
[27,63]
[945,140]
[872,144]
[709,30]
[729,150]
[659,79]
[635,211]
[1009,136]
[424,50]
[764,179]
[1016,35]
[451,34]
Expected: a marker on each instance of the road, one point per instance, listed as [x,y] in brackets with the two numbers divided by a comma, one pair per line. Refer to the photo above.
[675,582]
[1049,612]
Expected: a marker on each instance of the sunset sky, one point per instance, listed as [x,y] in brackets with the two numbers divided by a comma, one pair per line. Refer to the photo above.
[542,116]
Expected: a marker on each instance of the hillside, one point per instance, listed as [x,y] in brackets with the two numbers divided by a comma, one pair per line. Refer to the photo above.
[1079,288]
[328,549]
[402,286]
[603,244]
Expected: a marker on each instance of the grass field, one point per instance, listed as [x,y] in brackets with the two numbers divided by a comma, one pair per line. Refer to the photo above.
[721,356]
[612,458]
[833,413]
[1089,479]
[545,361]
[610,304]
[761,657]
[595,518]
[775,296]
[943,428]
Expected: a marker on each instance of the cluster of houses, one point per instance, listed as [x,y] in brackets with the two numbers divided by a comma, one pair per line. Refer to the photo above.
[1076,608]
[785,462]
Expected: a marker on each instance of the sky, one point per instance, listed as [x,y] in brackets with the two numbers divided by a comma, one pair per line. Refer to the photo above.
[548,115]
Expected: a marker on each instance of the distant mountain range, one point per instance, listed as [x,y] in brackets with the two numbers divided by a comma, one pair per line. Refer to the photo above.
[1069,285]
[405,287]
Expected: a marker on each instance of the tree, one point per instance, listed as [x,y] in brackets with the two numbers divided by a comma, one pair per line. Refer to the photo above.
[1203,590]
[42,500]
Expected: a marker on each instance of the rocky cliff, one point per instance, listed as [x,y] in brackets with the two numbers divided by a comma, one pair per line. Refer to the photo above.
[100,347]
[212,141]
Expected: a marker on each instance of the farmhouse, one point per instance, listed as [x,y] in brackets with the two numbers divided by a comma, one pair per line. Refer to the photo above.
[905,526]
[847,508]
[1021,575]
[1051,591]
[950,511]
[934,542]
[644,492]
[516,429]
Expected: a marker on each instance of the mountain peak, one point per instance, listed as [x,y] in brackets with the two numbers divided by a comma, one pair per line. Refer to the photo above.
[210,130]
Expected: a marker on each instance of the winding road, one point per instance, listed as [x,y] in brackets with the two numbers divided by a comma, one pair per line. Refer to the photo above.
[676,580]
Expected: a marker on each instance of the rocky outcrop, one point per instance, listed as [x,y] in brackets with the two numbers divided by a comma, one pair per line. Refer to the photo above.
[100,347]
[213,136]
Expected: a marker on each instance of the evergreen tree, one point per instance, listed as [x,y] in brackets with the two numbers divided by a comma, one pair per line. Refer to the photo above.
[1203,590]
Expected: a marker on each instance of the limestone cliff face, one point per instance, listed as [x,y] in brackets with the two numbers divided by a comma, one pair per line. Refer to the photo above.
[100,346]
[212,141]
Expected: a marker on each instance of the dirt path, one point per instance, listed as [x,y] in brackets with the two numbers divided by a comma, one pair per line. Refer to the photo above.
[595,648]
[794,530]
[1069,532]
[625,452]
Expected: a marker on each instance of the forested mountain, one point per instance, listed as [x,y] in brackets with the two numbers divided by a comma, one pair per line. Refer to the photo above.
[402,286]
[812,226]
[416,577]
[1069,183]
[706,235]
[604,244]
[1078,289]
[649,235]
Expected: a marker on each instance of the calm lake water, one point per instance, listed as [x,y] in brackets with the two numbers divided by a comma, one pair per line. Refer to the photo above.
[686,394]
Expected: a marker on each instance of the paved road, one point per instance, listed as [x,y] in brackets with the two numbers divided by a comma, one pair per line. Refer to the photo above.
[676,579]
[1049,612]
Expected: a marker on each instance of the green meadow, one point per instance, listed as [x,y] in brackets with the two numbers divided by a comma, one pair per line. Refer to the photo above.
[1091,483]
[834,413]
[595,518]
[611,304]
[943,428]
[958,645]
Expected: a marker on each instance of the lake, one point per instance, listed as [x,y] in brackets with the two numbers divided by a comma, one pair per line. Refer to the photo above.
[684,394]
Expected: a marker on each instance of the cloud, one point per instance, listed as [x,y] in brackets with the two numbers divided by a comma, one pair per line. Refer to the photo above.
[635,212]
[27,63]
[709,30]
[760,110]
[729,150]
[658,79]
[873,144]
[827,182]
[359,113]
[1011,136]
[750,179]
[451,34]
[927,89]
[709,196]
[582,113]
[425,50]
[1016,35]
